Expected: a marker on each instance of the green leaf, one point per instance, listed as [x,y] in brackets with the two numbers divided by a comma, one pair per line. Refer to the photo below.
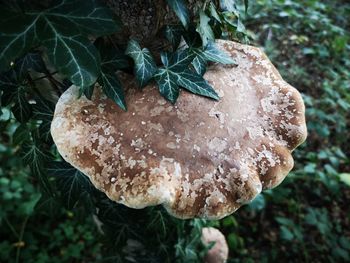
[111,57]
[180,8]
[345,178]
[173,33]
[36,157]
[17,36]
[246,5]
[213,12]
[113,88]
[22,110]
[199,65]
[228,5]
[168,87]
[72,183]
[20,135]
[72,54]
[196,84]
[180,60]
[212,53]
[286,234]
[204,29]
[43,110]
[89,91]
[258,203]
[145,67]
[28,206]
[31,61]
[90,17]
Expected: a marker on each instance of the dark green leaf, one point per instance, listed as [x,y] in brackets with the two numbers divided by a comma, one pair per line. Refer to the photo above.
[214,13]
[180,8]
[286,234]
[165,57]
[113,88]
[196,84]
[212,53]
[168,87]
[43,109]
[31,61]
[145,66]
[21,134]
[228,5]
[180,60]
[88,15]
[72,183]
[204,29]
[246,5]
[73,55]
[36,157]
[111,57]
[21,109]
[173,33]
[8,84]
[199,65]
[17,36]
[89,91]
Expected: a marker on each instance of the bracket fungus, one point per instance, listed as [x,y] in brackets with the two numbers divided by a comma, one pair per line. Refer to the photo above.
[199,157]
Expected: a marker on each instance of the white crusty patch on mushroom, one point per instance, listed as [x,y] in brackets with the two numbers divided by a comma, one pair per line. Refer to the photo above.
[199,157]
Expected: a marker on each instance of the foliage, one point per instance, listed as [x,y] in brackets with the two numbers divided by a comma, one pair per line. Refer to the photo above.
[51,213]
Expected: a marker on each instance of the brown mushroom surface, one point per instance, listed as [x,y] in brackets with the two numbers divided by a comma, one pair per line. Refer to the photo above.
[199,157]
[219,252]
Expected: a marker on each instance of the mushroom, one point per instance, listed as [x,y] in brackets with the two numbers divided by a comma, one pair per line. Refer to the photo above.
[197,158]
[219,252]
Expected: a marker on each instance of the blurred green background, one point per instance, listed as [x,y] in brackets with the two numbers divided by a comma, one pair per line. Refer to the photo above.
[306,219]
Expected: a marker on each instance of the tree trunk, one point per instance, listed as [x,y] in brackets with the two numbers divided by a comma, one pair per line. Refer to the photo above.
[143,19]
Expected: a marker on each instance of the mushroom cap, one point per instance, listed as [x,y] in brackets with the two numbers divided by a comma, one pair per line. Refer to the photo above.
[199,157]
[219,252]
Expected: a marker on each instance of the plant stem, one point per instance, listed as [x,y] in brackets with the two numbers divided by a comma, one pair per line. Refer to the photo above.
[21,238]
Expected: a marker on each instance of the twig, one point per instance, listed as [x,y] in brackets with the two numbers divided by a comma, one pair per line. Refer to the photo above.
[21,238]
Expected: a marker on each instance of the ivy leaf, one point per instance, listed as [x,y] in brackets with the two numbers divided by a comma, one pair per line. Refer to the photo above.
[90,17]
[145,67]
[214,13]
[173,34]
[20,135]
[212,53]
[204,29]
[112,59]
[17,36]
[72,183]
[89,91]
[209,53]
[228,5]
[36,157]
[176,73]
[22,110]
[180,8]
[246,5]
[167,83]
[196,84]
[8,84]
[72,54]
[43,110]
[31,61]
[180,60]
[113,88]
[199,65]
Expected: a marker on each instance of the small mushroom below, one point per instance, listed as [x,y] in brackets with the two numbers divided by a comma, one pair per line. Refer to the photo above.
[219,252]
